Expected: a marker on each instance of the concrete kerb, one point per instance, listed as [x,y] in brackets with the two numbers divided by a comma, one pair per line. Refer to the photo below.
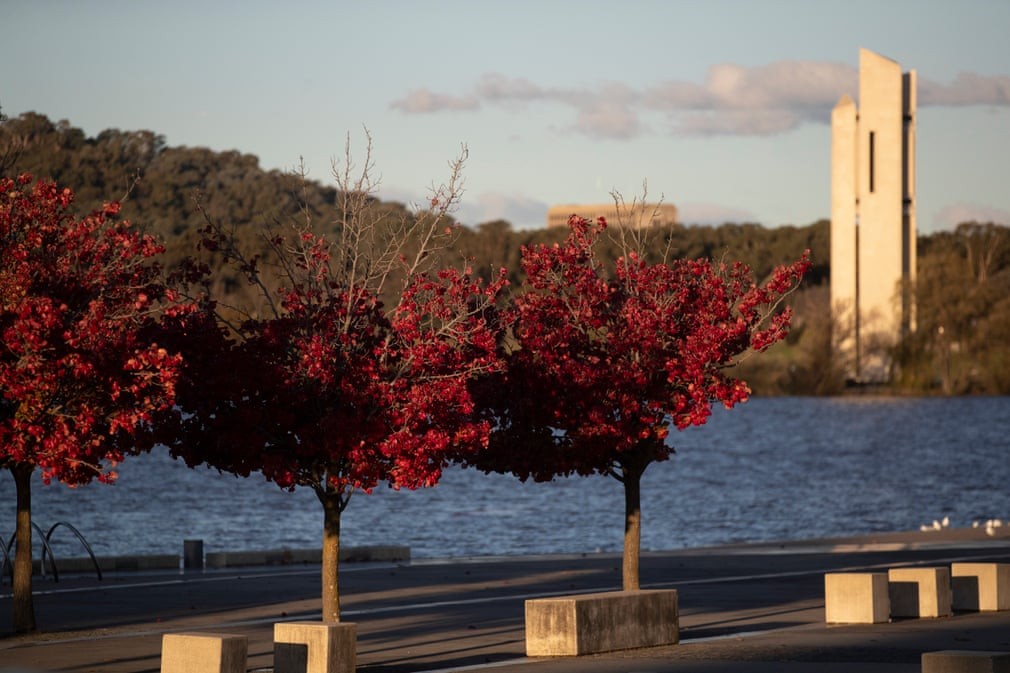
[909,540]
[112,563]
[370,554]
[364,554]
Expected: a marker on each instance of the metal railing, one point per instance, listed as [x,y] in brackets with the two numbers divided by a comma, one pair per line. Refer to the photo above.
[47,551]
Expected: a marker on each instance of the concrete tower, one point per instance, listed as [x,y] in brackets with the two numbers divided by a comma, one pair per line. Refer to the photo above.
[873,231]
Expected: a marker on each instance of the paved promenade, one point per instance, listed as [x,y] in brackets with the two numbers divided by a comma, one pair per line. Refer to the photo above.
[746,608]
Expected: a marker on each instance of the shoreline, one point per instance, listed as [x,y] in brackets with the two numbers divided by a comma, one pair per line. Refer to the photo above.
[868,542]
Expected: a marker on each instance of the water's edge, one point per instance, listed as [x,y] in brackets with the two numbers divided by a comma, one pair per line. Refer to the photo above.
[772,469]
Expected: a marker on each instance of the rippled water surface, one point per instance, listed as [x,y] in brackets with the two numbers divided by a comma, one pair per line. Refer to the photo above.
[772,469]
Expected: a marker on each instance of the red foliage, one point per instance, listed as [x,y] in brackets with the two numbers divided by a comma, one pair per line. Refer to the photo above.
[604,366]
[334,393]
[322,386]
[601,367]
[80,298]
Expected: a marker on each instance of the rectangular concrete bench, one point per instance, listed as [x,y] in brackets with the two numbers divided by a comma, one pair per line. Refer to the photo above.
[919,592]
[965,661]
[601,622]
[203,653]
[856,598]
[980,586]
[314,647]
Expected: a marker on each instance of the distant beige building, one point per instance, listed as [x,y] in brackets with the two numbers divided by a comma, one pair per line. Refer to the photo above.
[873,233]
[630,215]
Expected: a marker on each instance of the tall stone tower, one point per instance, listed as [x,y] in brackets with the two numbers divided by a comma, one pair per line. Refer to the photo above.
[873,231]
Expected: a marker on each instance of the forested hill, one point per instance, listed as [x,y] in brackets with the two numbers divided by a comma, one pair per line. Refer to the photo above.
[160,186]
[963,289]
[164,185]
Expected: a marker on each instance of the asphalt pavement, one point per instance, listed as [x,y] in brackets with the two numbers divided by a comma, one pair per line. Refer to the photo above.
[748,608]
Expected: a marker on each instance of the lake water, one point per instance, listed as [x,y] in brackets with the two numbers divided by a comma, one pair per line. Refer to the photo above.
[772,469]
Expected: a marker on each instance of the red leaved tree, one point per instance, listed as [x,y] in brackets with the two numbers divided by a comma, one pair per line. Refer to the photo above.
[329,388]
[602,365]
[80,373]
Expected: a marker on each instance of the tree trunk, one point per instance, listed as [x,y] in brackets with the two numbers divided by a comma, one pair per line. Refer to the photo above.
[24,606]
[632,478]
[332,508]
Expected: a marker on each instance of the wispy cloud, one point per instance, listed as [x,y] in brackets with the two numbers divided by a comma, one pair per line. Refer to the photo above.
[732,100]
[522,212]
[954,214]
[422,100]
[967,89]
[609,119]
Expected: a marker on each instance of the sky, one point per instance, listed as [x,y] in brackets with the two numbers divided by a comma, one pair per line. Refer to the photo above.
[720,107]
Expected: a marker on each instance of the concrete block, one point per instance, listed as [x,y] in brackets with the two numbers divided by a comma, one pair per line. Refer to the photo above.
[919,592]
[203,653]
[192,554]
[314,647]
[980,586]
[856,598]
[965,661]
[601,622]
[375,553]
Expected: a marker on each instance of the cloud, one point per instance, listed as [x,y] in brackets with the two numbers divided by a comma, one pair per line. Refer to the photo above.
[954,214]
[966,89]
[785,84]
[736,122]
[608,119]
[497,87]
[765,100]
[520,211]
[423,100]
[732,100]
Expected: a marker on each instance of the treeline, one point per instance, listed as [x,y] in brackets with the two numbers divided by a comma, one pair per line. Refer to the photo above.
[962,341]
[963,290]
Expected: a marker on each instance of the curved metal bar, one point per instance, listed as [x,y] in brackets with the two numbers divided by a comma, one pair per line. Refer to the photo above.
[7,561]
[46,549]
[80,537]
